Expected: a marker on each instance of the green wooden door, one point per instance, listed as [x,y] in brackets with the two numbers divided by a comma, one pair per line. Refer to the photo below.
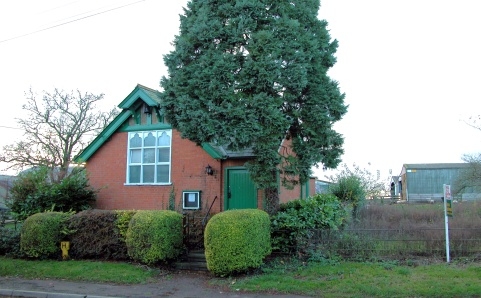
[240,191]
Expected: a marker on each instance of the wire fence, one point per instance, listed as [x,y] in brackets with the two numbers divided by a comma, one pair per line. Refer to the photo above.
[380,243]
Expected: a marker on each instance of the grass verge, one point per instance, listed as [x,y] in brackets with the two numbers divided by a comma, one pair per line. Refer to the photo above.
[322,279]
[351,279]
[93,271]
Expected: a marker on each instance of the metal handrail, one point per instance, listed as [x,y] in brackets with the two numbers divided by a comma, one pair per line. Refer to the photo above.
[204,220]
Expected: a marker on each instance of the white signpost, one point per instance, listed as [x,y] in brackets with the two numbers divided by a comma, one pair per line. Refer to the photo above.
[448,212]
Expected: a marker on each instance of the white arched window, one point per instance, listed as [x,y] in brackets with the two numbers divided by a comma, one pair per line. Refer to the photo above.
[149,157]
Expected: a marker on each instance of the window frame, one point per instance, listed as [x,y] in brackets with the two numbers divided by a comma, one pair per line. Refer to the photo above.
[143,164]
[197,203]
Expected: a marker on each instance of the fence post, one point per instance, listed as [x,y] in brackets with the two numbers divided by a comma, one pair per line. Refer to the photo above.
[185,229]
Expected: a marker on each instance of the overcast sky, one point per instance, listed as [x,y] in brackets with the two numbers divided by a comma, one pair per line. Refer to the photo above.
[410,69]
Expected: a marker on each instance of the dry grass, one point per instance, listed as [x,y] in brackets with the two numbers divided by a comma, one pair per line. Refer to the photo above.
[402,231]
[467,215]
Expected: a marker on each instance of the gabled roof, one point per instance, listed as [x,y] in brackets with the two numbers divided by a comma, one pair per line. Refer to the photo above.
[221,152]
[150,96]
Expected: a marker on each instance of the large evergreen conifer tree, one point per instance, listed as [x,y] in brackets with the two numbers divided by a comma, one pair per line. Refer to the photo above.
[250,73]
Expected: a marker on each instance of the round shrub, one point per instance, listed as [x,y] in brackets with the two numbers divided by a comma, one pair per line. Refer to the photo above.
[41,234]
[237,240]
[96,236]
[154,236]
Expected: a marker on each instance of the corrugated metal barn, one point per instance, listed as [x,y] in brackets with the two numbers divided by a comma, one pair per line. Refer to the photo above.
[322,186]
[424,182]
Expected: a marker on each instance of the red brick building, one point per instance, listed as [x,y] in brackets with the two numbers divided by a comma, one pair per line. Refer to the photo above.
[139,162]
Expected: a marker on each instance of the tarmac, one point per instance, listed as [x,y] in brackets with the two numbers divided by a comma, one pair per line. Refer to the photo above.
[186,285]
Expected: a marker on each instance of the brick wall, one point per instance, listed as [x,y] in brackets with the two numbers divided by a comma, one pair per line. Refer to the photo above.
[295,193]
[107,170]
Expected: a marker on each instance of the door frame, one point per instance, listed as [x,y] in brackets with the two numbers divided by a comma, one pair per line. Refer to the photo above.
[226,186]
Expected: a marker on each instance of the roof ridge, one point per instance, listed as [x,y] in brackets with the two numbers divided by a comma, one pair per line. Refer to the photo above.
[145,87]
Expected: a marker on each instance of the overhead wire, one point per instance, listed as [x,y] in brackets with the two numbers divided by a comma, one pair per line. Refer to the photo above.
[9,127]
[60,6]
[71,21]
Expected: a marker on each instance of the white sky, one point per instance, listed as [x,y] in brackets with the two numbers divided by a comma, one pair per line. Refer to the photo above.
[410,69]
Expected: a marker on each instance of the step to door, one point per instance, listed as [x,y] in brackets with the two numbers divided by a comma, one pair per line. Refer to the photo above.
[194,260]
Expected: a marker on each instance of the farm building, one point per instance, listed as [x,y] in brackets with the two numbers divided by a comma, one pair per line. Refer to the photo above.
[6,183]
[424,182]
[322,186]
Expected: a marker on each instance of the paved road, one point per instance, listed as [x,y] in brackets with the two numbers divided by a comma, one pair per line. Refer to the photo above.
[190,285]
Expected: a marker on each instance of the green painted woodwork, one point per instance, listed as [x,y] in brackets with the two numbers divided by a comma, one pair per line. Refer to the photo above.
[160,117]
[131,107]
[145,127]
[137,117]
[240,190]
[212,151]
[103,136]
[149,96]
[305,190]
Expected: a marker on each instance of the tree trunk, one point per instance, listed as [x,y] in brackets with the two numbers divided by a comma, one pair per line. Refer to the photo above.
[272,200]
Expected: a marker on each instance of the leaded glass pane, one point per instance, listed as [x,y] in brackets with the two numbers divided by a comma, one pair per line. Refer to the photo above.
[135,155]
[136,141]
[134,174]
[164,139]
[148,174]
[149,155]
[149,140]
[164,154]
[163,174]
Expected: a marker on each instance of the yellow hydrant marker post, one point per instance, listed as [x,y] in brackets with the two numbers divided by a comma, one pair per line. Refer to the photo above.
[65,246]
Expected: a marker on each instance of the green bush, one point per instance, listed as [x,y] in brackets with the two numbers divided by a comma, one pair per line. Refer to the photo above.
[294,226]
[41,234]
[237,240]
[350,189]
[96,236]
[9,242]
[34,192]
[23,199]
[123,220]
[154,236]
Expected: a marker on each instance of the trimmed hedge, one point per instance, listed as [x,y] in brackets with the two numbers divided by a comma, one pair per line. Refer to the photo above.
[154,236]
[97,235]
[236,241]
[41,234]
[123,220]
[9,242]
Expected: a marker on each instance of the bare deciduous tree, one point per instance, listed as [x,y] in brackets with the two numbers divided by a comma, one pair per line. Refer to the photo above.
[56,127]
[372,184]
[474,121]
[469,179]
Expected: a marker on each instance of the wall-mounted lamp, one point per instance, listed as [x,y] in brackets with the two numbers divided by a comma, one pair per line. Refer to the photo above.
[209,171]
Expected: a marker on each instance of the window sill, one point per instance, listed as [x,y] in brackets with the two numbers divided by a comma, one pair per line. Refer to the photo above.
[147,184]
